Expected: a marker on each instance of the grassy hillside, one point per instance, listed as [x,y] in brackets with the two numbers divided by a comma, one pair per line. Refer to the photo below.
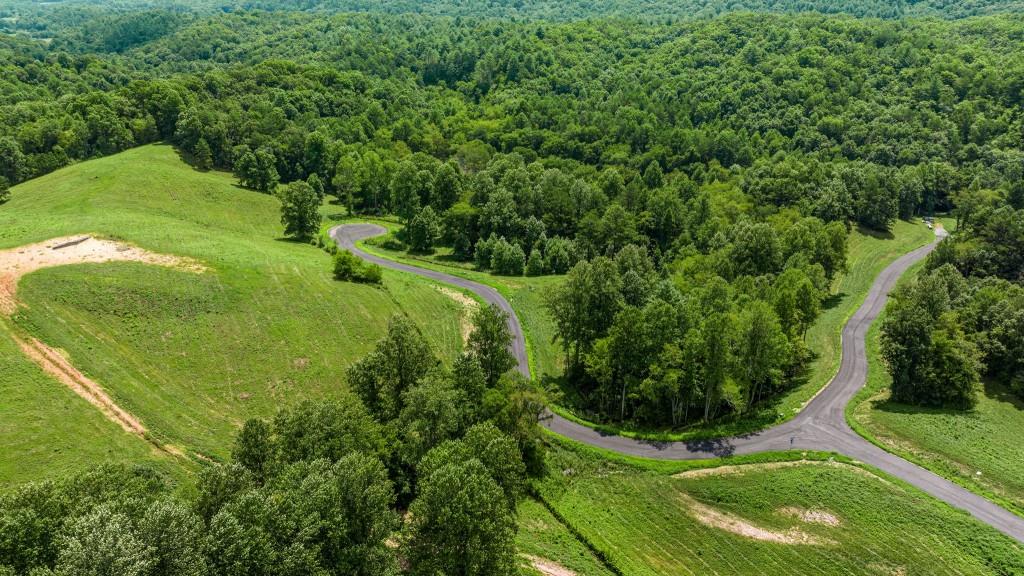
[802,518]
[525,293]
[979,449]
[190,355]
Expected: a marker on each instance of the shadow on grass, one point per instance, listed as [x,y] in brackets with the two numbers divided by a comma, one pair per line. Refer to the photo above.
[833,300]
[878,234]
[892,407]
[1002,393]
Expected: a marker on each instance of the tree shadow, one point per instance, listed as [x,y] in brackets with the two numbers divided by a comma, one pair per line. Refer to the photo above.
[892,407]
[1002,393]
[289,240]
[879,234]
[833,300]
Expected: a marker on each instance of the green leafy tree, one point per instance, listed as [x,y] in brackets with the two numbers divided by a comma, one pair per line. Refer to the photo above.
[760,352]
[202,155]
[104,543]
[317,185]
[423,231]
[461,524]
[257,170]
[397,362]
[447,188]
[435,410]
[329,429]
[175,536]
[300,210]
[253,448]
[490,342]
[535,263]
[407,187]
[507,258]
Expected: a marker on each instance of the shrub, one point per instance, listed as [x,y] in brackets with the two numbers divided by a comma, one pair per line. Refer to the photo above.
[507,258]
[535,265]
[348,267]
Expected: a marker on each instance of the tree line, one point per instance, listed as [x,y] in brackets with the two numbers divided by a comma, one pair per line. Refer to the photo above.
[962,320]
[321,488]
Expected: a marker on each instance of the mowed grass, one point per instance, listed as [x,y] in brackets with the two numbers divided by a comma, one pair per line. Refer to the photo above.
[979,449]
[47,430]
[191,355]
[524,293]
[642,522]
[543,536]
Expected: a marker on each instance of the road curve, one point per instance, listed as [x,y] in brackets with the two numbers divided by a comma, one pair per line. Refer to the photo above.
[821,425]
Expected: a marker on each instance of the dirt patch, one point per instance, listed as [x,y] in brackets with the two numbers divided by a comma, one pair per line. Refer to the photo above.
[746,468]
[17,262]
[547,567]
[734,524]
[811,516]
[742,469]
[51,361]
[469,306]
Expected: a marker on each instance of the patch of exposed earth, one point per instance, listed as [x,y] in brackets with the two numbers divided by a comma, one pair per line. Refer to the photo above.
[736,525]
[17,262]
[548,567]
[469,306]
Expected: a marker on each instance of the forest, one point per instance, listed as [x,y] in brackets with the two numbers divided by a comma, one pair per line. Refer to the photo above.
[692,171]
[669,169]
[315,489]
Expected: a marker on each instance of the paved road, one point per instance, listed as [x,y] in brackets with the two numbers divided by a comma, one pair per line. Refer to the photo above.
[821,425]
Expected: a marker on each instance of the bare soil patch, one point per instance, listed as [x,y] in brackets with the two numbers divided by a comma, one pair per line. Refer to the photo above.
[811,516]
[469,306]
[730,523]
[17,262]
[547,567]
[746,468]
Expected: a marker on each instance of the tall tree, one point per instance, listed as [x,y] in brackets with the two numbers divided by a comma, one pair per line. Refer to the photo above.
[461,524]
[300,209]
[490,342]
[397,362]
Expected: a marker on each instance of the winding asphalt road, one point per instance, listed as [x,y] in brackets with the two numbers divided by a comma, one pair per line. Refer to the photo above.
[821,425]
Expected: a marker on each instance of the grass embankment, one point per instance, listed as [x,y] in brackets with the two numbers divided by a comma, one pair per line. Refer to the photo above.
[793,518]
[190,355]
[869,253]
[979,449]
[524,293]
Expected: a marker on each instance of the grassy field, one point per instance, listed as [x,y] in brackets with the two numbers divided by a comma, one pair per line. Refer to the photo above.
[979,449]
[802,518]
[542,536]
[191,355]
[525,293]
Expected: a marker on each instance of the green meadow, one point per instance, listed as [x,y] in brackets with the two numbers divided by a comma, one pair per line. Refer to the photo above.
[191,355]
[979,449]
[808,517]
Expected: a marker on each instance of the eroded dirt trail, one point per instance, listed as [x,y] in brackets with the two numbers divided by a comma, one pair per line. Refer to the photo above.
[82,249]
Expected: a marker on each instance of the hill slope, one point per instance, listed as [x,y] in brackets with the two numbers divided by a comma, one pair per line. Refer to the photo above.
[190,355]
